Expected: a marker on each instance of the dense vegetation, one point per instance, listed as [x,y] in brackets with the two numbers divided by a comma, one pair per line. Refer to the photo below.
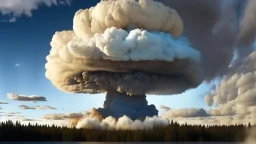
[10,131]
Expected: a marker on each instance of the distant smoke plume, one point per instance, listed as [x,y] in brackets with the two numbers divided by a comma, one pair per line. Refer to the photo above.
[127,49]
[32,98]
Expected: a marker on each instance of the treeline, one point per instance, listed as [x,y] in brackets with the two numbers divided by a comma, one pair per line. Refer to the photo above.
[174,132]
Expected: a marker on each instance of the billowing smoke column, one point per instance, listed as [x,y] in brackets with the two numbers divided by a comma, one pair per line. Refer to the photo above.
[136,107]
[127,49]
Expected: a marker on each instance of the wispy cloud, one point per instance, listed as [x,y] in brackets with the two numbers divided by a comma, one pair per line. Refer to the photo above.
[33,98]
[17,8]
[17,64]
[24,107]
[12,114]
[8,20]
[61,116]
[166,108]
[27,119]
[12,20]
[2,102]
[65,2]
[193,112]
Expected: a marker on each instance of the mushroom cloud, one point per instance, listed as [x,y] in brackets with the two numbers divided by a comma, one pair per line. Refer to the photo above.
[127,49]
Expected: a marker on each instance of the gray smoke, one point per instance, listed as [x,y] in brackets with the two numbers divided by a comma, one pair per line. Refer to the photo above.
[247,31]
[219,25]
[131,83]
[126,91]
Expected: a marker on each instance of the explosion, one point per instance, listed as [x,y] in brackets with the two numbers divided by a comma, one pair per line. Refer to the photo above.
[127,49]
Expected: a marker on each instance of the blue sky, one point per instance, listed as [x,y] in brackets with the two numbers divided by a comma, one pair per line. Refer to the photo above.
[27,42]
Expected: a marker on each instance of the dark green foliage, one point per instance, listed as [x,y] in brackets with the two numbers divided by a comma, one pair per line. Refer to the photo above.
[10,131]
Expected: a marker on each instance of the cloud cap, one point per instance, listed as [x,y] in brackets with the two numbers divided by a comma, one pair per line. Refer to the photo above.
[90,61]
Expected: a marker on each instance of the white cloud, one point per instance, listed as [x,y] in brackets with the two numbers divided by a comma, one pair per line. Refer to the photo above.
[65,2]
[25,7]
[12,114]
[208,100]
[32,98]
[233,100]
[166,108]
[61,116]
[12,20]
[236,93]
[2,102]
[24,107]
[27,119]
[177,113]
[17,65]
